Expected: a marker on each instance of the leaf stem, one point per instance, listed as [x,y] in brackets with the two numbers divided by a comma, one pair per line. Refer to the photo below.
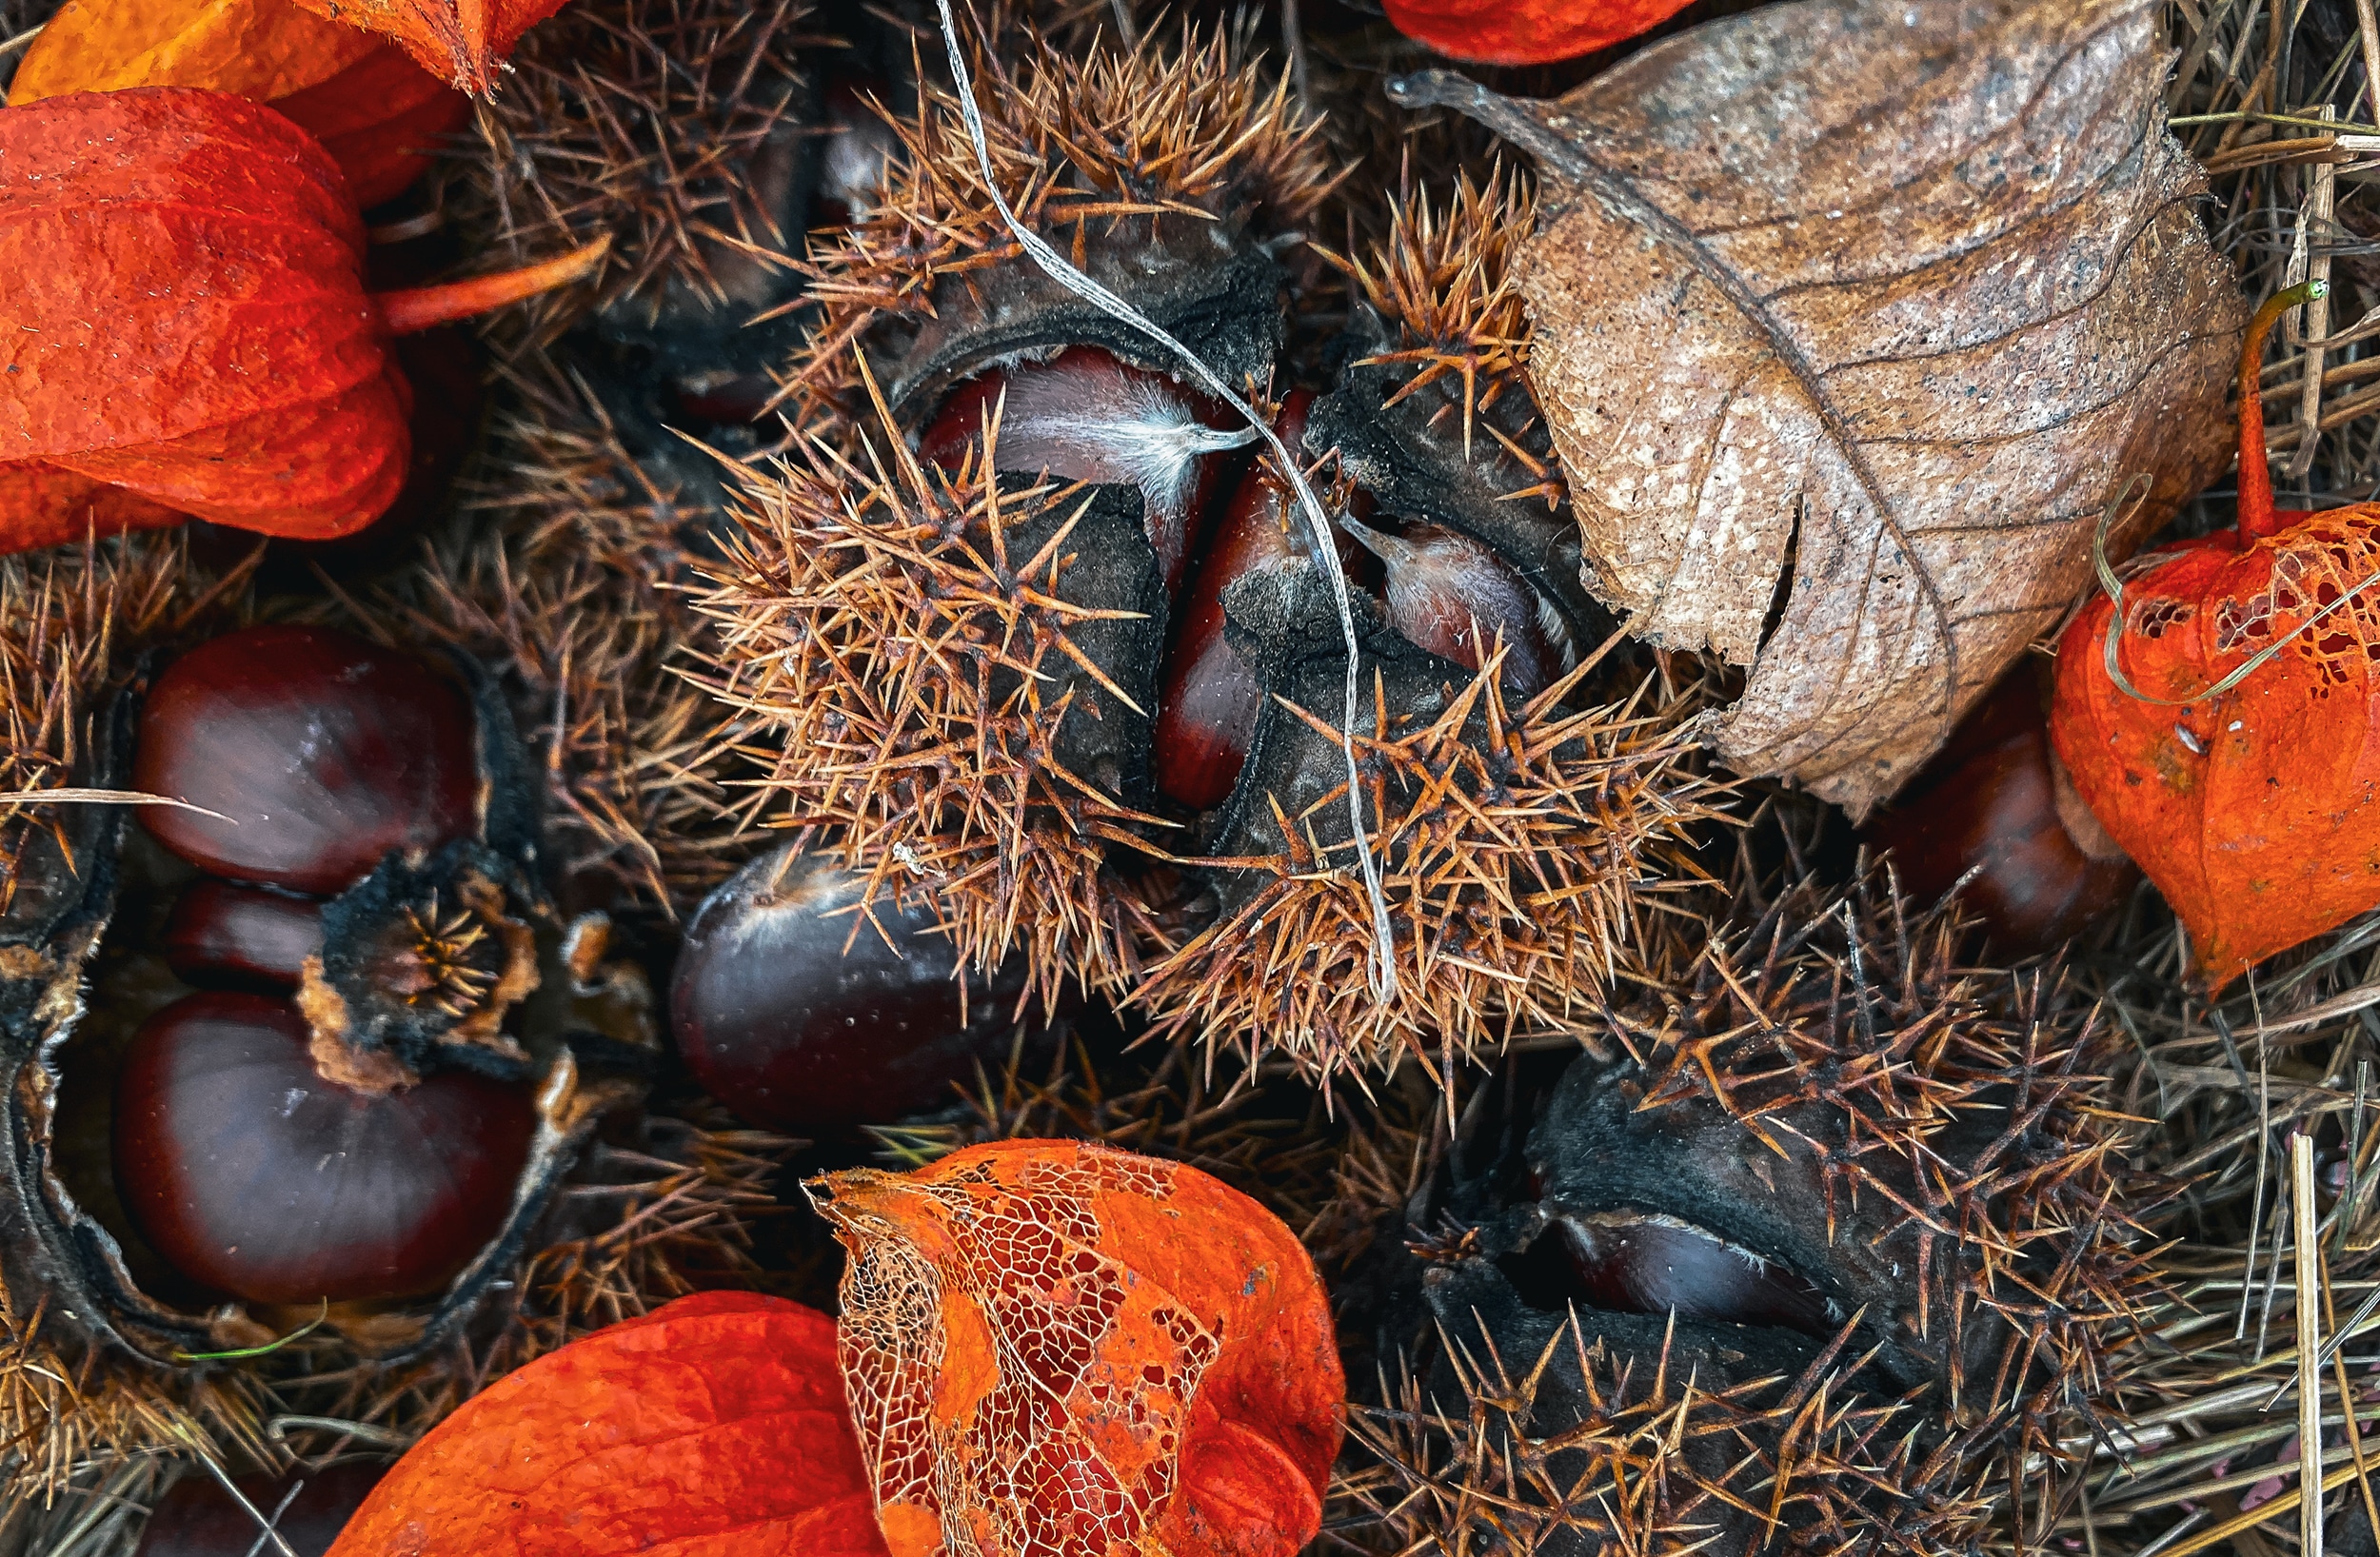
[2256,474]
[421,308]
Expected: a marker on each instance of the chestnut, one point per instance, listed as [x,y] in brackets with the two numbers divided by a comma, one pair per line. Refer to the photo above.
[1086,415]
[801,1014]
[1206,712]
[308,1508]
[1997,801]
[257,1176]
[223,935]
[319,754]
[1635,1262]
[1455,597]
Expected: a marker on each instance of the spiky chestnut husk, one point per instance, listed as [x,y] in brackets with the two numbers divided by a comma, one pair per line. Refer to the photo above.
[1434,417]
[569,580]
[1519,850]
[1921,1149]
[920,657]
[1168,174]
[77,972]
[680,128]
[66,618]
[653,1212]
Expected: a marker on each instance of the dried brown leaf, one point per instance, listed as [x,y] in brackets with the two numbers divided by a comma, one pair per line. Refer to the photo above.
[1891,296]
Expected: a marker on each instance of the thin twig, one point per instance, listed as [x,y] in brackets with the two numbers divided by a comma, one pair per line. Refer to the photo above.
[2309,1339]
[2319,214]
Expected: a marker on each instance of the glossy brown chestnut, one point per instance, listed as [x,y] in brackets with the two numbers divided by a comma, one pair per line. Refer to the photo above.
[1209,701]
[197,1518]
[253,1175]
[225,937]
[1086,416]
[1993,801]
[792,1032]
[321,752]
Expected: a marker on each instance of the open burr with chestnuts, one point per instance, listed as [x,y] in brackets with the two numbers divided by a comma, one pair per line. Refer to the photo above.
[1040,638]
[307,1035]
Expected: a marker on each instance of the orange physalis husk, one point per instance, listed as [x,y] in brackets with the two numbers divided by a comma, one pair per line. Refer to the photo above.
[2254,806]
[191,324]
[713,1427]
[375,111]
[460,41]
[1064,1349]
[1526,32]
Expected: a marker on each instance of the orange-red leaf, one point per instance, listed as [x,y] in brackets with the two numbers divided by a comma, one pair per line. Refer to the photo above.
[2257,813]
[465,42]
[1064,1351]
[1526,32]
[380,119]
[375,111]
[712,1427]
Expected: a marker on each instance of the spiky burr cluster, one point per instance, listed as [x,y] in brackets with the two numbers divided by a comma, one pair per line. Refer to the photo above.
[1936,1135]
[1515,846]
[673,125]
[1959,1111]
[952,668]
[1112,144]
[571,579]
[927,667]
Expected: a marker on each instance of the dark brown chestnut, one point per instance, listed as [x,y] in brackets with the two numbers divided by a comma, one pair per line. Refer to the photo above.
[225,937]
[319,752]
[1085,415]
[1997,802]
[308,1508]
[1207,710]
[256,1177]
[800,1014]
[1633,1262]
